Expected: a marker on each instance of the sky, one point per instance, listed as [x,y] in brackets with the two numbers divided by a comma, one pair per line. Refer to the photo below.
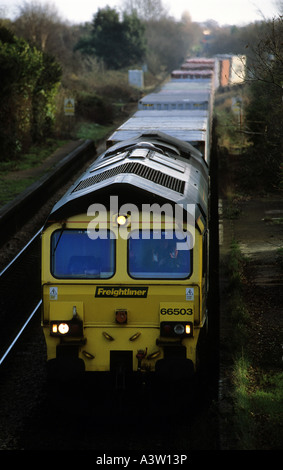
[238,12]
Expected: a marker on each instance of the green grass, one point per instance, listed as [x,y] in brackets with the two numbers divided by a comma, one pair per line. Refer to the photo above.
[93,131]
[238,314]
[10,187]
[36,155]
[258,399]
[257,394]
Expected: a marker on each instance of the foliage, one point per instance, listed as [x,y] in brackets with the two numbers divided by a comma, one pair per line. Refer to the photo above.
[258,137]
[258,406]
[256,394]
[265,122]
[142,35]
[37,23]
[232,39]
[134,40]
[146,9]
[43,98]
[264,112]
[117,43]
[11,186]
[169,43]
[238,314]
[94,108]
[27,85]
[93,131]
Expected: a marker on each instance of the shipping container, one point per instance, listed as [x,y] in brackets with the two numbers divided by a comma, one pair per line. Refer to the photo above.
[193,129]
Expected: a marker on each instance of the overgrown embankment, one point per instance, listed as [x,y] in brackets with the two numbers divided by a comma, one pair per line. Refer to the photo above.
[251,321]
[255,385]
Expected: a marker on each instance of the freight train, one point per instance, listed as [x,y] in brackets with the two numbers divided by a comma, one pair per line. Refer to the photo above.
[125,251]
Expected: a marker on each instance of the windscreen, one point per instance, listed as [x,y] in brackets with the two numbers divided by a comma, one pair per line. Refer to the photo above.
[159,255]
[75,255]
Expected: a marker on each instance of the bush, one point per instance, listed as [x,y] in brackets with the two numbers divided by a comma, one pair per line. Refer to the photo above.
[94,108]
[29,81]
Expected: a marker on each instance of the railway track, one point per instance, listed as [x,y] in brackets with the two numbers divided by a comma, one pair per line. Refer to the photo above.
[19,294]
[26,403]
[22,219]
[25,406]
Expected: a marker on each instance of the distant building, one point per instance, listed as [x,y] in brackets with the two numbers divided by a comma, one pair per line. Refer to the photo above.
[231,69]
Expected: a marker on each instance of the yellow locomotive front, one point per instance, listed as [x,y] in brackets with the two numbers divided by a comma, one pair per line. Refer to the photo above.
[122,293]
[118,299]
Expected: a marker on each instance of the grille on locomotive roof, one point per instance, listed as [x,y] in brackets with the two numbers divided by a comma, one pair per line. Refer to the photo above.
[138,169]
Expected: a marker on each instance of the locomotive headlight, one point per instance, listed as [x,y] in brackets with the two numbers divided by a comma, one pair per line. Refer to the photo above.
[176,329]
[179,329]
[72,327]
[121,220]
[60,328]
[63,328]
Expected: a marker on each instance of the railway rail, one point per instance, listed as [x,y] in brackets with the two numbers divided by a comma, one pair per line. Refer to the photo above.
[18,305]
[24,303]
[15,213]
[24,273]
[25,428]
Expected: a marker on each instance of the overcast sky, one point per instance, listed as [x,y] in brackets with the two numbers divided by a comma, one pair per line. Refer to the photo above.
[238,12]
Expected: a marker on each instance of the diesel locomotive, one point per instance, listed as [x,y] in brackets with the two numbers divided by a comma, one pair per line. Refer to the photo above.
[125,254]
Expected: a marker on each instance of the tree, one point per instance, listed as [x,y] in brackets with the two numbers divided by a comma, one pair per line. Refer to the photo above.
[264,111]
[169,42]
[43,97]
[117,43]
[145,9]
[267,56]
[134,38]
[36,23]
[28,80]
[41,26]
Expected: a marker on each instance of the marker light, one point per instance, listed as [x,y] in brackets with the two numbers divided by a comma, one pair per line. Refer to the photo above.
[188,329]
[60,328]
[72,328]
[176,329]
[167,329]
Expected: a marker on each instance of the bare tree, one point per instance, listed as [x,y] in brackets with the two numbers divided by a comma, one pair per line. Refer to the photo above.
[266,61]
[36,22]
[146,9]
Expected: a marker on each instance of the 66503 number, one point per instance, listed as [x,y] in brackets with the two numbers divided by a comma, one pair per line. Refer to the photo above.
[176,311]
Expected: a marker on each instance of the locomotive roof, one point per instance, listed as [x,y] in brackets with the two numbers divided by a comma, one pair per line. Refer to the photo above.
[153,167]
